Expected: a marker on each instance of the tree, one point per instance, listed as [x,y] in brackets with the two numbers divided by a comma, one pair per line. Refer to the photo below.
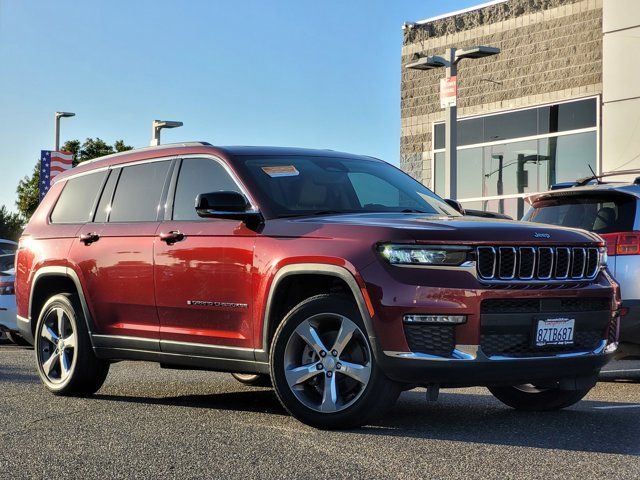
[28,187]
[11,224]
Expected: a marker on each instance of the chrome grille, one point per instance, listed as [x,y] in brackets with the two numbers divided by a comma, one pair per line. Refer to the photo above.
[504,264]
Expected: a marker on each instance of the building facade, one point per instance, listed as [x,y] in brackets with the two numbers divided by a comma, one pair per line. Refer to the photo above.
[547,109]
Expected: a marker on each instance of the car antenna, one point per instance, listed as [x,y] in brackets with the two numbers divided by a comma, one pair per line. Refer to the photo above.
[597,179]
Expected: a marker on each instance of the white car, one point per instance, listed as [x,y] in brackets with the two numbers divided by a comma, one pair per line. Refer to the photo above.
[612,210]
[7,292]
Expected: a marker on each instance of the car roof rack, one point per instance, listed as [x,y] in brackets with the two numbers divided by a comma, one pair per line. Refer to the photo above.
[581,182]
[146,149]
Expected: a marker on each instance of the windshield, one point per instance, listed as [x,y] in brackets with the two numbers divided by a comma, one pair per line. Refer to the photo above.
[297,186]
[600,214]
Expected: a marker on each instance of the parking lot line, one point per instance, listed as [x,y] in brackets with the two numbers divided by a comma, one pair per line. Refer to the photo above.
[617,406]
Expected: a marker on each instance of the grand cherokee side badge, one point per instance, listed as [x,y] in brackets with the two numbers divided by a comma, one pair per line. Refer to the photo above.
[204,303]
[541,235]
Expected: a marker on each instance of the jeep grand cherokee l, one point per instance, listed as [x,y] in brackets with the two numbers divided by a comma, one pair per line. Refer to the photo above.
[336,276]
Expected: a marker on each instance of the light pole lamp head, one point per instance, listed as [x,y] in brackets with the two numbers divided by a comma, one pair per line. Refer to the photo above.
[166,124]
[427,63]
[478,51]
[64,114]
[158,125]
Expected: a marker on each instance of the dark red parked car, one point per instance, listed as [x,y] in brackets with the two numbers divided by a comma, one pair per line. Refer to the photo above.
[337,277]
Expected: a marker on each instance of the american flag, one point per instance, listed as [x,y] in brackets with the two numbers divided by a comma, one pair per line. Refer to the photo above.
[51,164]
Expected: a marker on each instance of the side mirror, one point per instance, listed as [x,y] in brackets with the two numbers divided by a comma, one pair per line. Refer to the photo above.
[457,206]
[226,204]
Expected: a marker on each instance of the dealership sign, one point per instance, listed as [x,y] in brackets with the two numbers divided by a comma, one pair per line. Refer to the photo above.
[448,91]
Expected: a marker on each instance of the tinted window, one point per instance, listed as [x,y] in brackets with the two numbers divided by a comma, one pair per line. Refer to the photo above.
[294,185]
[137,197]
[77,198]
[523,123]
[198,175]
[600,214]
[104,206]
[6,247]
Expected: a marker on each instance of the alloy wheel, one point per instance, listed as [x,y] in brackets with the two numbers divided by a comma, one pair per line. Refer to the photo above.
[57,346]
[327,362]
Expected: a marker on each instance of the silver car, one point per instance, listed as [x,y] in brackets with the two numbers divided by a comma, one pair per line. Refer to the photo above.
[611,210]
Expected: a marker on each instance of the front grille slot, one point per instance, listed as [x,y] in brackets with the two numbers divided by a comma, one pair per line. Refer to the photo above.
[431,339]
[528,263]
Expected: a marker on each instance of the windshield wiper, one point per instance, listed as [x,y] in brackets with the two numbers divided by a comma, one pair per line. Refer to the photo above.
[412,210]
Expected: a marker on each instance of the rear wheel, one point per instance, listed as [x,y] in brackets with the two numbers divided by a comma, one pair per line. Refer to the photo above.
[18,339]
[534,398]
[323,369]
[253,379]
[66,362]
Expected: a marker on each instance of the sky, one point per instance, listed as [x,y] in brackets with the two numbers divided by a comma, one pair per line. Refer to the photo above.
[289,72]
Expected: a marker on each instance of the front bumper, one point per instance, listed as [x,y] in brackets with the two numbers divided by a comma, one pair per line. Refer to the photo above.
[469,366]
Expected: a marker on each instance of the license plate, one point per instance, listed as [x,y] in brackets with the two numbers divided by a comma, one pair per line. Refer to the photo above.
[555,331]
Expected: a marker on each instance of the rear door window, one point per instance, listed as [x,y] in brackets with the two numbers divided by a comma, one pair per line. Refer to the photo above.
[139,191]
[597,213]
[78,198]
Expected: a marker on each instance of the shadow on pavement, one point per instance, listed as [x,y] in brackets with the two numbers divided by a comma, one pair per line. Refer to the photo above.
[259,401]
[479,419]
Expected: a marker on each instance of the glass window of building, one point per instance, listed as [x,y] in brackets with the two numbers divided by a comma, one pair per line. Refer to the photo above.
[506,156]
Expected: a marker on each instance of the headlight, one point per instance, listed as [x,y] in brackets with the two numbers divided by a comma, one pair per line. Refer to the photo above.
[425,255]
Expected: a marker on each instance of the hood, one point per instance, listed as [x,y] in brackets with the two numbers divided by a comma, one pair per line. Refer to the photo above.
[433,228]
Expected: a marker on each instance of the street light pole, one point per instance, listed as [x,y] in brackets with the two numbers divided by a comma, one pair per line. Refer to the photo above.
[158,125]
[451,134]
[58,116]
[450,61]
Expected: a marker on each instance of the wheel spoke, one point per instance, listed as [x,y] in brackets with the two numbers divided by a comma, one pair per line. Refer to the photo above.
[311,337]
[329,395]
[49,334]
[361,373]
[65,366]
[49,364]
[60,314]
[70,341]
[347,329]
[298,375]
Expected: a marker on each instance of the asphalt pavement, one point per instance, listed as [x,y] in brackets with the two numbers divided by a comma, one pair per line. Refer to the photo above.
[147,422]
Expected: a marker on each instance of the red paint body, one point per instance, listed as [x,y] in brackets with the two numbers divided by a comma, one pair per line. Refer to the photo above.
[139,286]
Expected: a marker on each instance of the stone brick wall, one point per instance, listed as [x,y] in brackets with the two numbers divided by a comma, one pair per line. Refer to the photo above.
[551,50]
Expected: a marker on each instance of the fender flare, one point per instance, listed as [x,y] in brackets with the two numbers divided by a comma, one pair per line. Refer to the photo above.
[318,269]
[56,271]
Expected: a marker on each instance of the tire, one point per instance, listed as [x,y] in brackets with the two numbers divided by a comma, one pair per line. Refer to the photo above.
[18,339]
[530,398]
[68,367]
[253,379]
[323,369]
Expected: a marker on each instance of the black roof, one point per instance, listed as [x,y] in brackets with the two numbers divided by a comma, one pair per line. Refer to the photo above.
[287,151]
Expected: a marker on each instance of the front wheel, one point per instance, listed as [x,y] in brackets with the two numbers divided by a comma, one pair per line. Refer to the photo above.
[323,369]
[534,398]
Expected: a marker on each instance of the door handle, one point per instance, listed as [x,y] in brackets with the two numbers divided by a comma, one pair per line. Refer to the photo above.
[172,237]
[89,238]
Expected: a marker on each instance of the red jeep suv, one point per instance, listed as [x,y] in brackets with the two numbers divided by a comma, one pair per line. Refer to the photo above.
[336,277]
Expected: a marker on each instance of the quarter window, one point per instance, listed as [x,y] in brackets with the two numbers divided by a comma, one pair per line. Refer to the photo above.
[199,175]
[138,194]
[77,199]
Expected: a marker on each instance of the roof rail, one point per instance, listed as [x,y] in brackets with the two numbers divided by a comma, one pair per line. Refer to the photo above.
[146,149]
[583,181]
